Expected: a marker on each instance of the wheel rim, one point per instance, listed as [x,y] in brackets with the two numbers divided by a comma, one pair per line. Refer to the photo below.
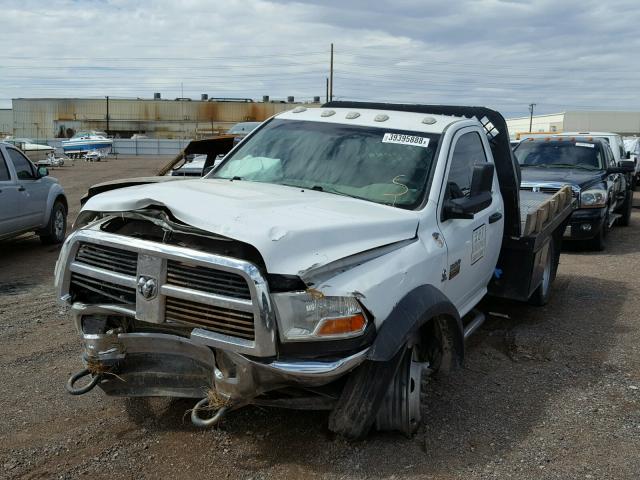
[58,224]
[401,408]
[546,274]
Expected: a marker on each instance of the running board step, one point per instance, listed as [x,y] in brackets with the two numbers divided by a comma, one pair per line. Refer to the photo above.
[477,320]
[613,218]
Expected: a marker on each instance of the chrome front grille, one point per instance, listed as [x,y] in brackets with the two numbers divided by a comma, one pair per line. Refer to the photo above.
[217,319]
[87,289]
[207,280]
[224,300]
[108,258]
[548,190]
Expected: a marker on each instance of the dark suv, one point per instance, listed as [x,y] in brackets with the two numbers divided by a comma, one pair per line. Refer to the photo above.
[601,186]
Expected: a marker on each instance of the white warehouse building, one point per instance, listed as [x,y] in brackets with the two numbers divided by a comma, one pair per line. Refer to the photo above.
[624,123]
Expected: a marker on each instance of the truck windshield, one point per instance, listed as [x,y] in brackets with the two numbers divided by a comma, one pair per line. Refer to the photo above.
[374,164]
[559,154]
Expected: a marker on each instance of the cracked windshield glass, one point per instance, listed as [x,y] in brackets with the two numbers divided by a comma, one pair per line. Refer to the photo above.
[375,164]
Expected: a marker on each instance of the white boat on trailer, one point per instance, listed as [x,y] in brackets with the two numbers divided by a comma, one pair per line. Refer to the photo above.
[85,142]
[35,151]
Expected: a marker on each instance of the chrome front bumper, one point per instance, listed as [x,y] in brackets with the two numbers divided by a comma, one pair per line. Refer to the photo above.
[152,260]
[159,364]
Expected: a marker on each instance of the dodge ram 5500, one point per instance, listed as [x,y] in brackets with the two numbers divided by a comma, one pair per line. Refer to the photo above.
[334,260]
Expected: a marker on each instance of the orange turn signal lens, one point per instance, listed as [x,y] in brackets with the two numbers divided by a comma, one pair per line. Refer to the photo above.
[342,326]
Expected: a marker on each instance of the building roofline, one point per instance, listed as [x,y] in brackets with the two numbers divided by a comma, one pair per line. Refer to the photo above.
[537,116]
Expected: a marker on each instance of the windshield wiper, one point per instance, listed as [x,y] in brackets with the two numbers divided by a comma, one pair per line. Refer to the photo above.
[570,165]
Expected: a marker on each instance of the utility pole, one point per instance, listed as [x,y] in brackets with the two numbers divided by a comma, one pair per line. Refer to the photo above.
[331,76]
[531,105]
[327,89]
[107,97]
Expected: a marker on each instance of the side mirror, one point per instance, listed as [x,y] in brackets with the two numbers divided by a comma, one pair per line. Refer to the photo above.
[624,166]
[479,195]
[43,172]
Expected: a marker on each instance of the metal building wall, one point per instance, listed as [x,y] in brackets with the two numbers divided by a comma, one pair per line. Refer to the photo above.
[6,122]
[44,118]
[541,123]
[624,123]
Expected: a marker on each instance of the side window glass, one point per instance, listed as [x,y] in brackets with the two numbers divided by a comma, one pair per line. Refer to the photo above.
[467,152]
[24,168]
[4,170]
[612,158]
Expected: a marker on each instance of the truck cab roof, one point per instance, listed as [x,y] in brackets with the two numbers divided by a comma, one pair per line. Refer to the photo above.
[374,117]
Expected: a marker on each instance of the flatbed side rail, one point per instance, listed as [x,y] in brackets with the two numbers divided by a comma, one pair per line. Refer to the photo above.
[521,263]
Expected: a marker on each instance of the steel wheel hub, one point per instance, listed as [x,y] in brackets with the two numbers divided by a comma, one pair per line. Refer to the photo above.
[401,408]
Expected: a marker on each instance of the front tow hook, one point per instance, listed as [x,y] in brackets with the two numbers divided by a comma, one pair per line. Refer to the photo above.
[70,385]
[204,405]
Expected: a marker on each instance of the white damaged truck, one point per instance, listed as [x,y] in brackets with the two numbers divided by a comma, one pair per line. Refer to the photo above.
[334,260]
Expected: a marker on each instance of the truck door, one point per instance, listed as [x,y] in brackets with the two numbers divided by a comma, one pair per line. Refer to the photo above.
[33,191]
[615,187]
[473,245]
[8,200]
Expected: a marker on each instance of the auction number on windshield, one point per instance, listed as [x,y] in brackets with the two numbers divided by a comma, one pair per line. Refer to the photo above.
[403,139]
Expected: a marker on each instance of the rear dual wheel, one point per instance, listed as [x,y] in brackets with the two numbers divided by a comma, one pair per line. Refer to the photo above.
[541,295]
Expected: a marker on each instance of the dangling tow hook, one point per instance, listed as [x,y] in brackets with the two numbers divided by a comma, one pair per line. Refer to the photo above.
[69,386]
[203,405]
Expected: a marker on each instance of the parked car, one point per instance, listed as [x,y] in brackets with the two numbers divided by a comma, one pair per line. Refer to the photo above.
[618,149]
[596,179]
[30,200]
[334,260]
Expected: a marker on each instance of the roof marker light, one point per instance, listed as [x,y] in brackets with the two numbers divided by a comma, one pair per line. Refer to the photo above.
[352,115]
[327,113]
[299,109]
[381,117]
[429,120]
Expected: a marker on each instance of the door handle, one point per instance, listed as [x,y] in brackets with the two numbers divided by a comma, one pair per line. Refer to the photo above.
[494,217]
[21,188]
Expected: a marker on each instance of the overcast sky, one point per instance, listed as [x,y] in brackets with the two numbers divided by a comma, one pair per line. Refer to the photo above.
[559,54]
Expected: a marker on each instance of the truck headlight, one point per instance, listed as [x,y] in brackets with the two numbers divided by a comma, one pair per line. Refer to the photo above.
[85,218]
[306,317]
[593,198]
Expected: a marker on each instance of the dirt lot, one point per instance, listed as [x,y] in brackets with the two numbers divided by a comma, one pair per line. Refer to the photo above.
[551,392]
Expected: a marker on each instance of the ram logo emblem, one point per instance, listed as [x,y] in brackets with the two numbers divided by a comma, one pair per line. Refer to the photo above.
[147,287]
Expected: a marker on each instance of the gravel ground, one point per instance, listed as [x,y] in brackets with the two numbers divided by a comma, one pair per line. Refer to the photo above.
[551,392]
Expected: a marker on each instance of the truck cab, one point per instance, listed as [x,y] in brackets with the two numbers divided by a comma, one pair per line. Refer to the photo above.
[616,143]
[334,260]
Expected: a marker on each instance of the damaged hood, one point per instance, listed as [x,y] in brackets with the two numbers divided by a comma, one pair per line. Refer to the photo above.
[294,229]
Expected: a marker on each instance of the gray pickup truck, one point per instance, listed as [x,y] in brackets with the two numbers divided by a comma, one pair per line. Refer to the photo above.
[30,200]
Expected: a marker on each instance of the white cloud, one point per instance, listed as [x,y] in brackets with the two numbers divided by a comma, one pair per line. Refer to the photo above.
[504,54]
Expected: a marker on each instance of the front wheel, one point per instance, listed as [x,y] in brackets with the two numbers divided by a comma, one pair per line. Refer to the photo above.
[625,211]
[391,394]
[56,229]
[401,408]
[599,242]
